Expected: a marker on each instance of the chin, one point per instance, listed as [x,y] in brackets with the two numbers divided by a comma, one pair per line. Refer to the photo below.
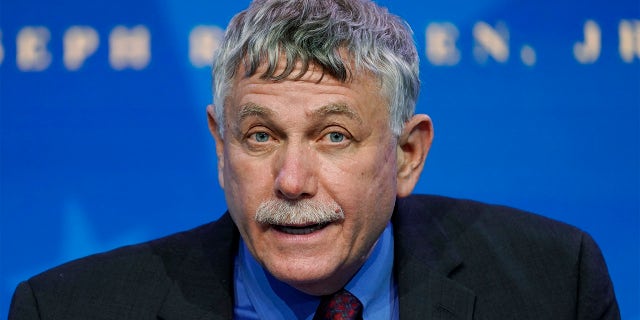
[314,280]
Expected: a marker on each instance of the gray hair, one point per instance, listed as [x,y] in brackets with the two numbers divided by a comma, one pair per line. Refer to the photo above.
[314,32]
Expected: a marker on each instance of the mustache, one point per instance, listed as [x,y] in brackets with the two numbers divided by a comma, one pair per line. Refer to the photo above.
[299,212]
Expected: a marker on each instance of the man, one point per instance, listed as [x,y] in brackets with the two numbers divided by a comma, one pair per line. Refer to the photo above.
[318,151]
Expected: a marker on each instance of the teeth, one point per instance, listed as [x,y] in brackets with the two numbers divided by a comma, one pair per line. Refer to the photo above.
[300,230]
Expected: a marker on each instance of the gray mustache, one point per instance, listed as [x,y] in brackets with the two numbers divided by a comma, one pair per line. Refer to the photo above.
[300,212]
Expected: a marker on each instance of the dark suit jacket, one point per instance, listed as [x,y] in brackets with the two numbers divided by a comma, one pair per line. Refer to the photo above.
[454,260]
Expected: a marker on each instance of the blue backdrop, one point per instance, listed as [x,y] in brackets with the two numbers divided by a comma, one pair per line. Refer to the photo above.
[536,104]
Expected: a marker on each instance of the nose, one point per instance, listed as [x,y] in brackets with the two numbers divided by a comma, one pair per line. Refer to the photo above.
[296,172]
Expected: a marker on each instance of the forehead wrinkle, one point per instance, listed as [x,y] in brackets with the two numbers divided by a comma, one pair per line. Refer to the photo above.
[336,109]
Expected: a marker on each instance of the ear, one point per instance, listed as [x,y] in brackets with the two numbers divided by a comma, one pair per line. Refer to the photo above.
[413,146]
[215,132]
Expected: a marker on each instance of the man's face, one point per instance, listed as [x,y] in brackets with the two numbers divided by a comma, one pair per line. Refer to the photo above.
[313,139]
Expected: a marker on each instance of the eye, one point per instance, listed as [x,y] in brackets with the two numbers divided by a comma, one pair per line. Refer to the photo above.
[336,137]
[260,137]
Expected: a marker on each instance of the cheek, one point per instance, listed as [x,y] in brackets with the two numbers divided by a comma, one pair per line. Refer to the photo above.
[365,183]
[245,173]
[380,180]
[243,185]
[243,194]
[375,169]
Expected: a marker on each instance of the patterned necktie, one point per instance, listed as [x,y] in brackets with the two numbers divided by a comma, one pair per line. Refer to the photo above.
[341,305]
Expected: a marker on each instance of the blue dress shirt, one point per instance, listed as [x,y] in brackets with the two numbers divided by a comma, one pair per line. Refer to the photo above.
[258,295]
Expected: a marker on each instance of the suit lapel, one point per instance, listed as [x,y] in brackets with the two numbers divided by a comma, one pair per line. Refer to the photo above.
[202,279]
[423,261]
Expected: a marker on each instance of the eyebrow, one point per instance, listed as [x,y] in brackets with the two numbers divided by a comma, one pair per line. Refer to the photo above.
[336,109]
[251,109]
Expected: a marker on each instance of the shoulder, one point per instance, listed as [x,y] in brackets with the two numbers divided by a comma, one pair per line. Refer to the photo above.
[509,258]
[138,275]
[467,218]
[485,234]
[142,258]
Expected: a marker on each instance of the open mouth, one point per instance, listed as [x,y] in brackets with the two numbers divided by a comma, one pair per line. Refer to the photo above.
[300,230]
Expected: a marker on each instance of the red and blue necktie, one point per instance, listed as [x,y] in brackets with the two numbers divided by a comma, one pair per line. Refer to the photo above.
[341,305]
